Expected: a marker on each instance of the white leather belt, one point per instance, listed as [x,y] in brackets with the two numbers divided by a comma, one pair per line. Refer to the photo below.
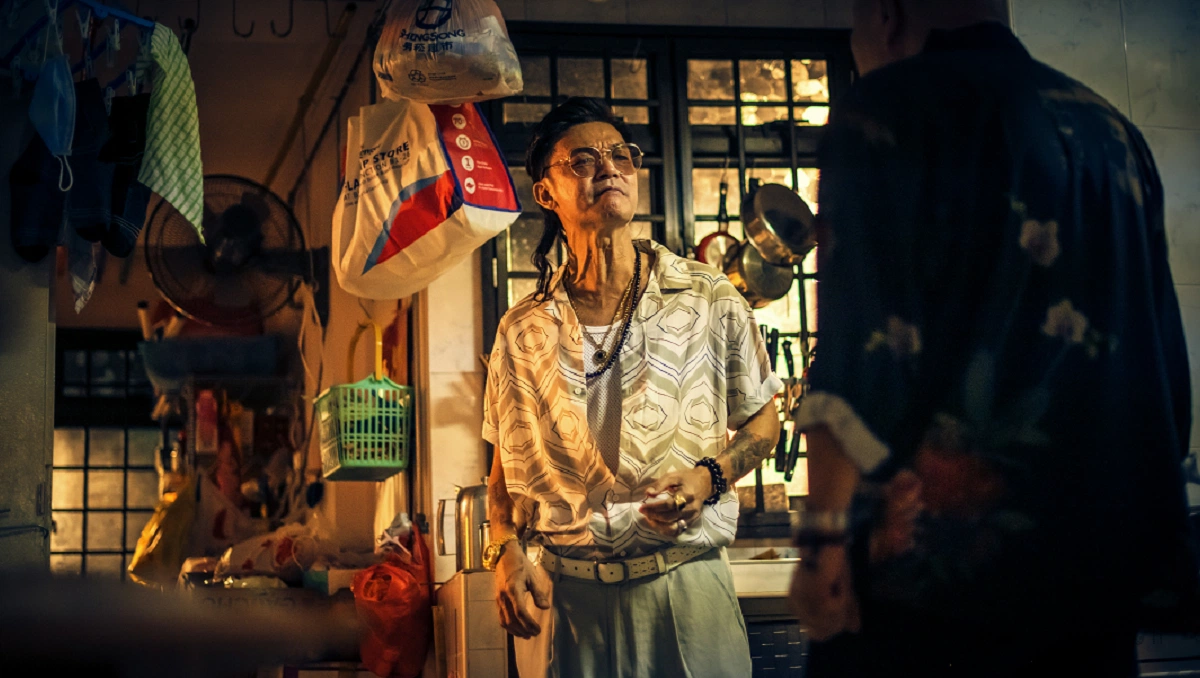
[617,571]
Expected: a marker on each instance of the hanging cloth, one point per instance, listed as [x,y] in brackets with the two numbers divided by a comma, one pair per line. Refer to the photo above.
[171,163]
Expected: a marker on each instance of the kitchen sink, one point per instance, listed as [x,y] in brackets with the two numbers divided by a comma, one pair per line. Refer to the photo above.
[763,577]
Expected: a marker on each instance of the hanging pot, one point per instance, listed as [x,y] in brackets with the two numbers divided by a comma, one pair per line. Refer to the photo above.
[759,281]
[778,222]
[714,246]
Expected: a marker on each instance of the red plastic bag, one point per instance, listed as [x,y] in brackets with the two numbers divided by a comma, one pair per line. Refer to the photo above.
[393,604]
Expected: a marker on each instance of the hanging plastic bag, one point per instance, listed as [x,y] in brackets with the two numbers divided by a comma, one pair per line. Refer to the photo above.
[425,186]
[446,52]
[393,603]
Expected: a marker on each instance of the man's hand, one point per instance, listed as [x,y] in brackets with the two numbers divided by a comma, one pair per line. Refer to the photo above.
[516,577]
[669,516]
[822,594]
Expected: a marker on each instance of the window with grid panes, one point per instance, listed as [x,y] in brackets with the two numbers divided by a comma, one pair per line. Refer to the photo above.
[746,107]
[105,484]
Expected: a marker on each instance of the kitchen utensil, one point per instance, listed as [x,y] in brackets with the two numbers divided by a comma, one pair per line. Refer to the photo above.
[781,449]
[778,222]
[471,527]
[758,281]
[714,246]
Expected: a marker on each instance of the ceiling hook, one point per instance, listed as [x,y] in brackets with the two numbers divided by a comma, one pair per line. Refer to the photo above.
[235,28]
[291,21]
[191,25]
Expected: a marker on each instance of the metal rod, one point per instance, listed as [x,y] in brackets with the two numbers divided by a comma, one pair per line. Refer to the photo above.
[306,99]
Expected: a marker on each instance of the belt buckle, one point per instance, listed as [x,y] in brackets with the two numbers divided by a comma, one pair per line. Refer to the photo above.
[602,580]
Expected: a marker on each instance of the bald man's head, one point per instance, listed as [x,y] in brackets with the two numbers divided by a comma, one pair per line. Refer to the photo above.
[886,31]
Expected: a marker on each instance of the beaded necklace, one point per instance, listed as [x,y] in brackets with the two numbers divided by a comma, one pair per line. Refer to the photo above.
[635,286]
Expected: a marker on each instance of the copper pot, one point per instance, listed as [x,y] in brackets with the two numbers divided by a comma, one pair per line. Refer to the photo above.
[759,282]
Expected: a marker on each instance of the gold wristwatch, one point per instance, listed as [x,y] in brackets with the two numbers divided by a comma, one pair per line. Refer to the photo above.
[491,552]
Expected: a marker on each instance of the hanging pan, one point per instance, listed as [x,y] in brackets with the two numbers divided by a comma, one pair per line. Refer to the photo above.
[778,223]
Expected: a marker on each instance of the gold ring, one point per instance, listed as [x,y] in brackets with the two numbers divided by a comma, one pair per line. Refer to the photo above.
[680,502]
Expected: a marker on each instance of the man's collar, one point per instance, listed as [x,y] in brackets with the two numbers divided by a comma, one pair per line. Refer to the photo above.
[983,35]
[670,274]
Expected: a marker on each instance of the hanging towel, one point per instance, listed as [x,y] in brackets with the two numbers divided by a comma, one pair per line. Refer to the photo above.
[171,164]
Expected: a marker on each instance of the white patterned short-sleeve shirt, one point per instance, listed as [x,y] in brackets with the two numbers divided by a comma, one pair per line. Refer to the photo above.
[694,367]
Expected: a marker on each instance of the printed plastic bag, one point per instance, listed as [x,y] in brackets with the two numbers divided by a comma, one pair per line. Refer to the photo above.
[446,52]
[285,553]
[393,603]
[425,186]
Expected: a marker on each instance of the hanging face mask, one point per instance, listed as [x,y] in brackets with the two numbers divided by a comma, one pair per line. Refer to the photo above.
[53,112]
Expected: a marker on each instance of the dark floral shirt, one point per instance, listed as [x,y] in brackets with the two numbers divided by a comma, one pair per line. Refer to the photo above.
[997,313]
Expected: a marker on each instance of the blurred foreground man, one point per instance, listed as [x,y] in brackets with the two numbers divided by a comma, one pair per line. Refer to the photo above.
[1002,384]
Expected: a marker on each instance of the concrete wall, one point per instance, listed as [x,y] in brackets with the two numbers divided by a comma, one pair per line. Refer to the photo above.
[1144,57]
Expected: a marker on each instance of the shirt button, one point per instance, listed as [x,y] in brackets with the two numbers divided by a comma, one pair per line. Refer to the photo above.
[622,553]
[578,391]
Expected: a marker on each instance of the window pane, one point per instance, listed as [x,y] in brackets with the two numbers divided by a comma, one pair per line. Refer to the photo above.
[104,531]
[782,314]
[525,112]
[68,490]
[523,237]
[143,489]
[706,191]
[810,261]
[629,79]
[810,294]
[809,179]
[137,369]
[75,367]
[810,80]
[535,71]
[134,522]
[762,115]
[65,565]
[712,115]
[524,186]
[710,79]
[142,444]
[812,115]
[581,77]
[108,367]
[763,80]
[643,206]
[633,115]
[68,446]
[106,489]
[68,531]
[105,566]
[106,447]
[771,175]
[519,288]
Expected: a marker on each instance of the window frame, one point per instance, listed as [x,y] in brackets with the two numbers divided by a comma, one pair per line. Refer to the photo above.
[672,47]
[131,410]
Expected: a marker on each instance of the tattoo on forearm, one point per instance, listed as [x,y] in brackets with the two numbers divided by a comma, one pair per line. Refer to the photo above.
[745,453]
[500,505]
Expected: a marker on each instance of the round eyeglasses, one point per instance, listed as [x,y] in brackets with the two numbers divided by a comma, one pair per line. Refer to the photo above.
[585,162]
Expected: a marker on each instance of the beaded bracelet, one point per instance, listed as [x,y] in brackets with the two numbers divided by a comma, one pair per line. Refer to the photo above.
[719,484]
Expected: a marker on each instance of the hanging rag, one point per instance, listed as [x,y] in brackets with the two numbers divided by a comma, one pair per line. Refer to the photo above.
[171,164]
[81,264]
[125,147]
[90,205]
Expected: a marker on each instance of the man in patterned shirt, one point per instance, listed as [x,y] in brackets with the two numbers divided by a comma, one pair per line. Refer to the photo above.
[609,397]
[1000,335]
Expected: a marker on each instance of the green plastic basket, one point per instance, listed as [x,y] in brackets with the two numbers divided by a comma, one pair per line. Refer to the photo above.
[366,427]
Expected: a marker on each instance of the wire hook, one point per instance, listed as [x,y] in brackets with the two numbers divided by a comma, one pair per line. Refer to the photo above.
[291,21]
[235,28]
[188,28]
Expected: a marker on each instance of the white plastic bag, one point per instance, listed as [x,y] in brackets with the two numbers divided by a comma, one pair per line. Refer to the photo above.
[425,186]
[446,52]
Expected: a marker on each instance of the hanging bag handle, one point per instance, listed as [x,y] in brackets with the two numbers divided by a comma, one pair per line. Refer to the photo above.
[378,350]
